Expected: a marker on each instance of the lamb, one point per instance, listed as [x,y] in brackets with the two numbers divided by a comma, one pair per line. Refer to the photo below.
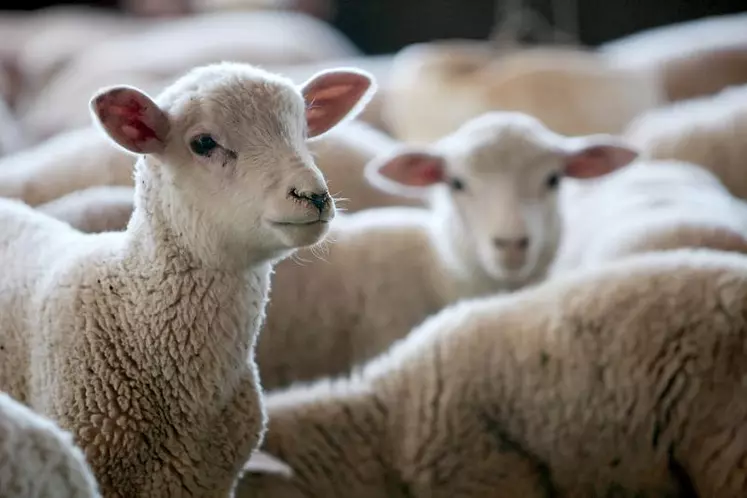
[38,458]
[82,158]
[95,209]
[141,343]
[493,226]
[648,206]
[573,92]
[622,380]
[709,131]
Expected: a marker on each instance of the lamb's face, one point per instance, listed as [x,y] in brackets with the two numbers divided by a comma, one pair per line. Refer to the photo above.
[238,154]
[230,144]
[505,194]
[497,179]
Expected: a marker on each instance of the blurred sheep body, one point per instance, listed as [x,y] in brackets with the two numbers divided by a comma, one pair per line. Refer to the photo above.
[624,380]
[153,57]
[492,226]
[70,161]
[708,131]
[648,206]
[692,58]
[95,209]
[38,459]
[141,342]
[436,87]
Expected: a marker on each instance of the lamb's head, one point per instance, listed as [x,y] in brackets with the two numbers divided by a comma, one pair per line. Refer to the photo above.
[225,158]
[495,181]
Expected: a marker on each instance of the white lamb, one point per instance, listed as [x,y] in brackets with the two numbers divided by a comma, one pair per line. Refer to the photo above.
[710,131]
[82,158]
[627,380]
[38,459]
[141,342]
[493,225]
[648,206]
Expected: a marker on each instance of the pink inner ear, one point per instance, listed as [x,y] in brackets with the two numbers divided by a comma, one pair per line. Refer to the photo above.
[414,169]
[330,97]
[132,120]
[598,160]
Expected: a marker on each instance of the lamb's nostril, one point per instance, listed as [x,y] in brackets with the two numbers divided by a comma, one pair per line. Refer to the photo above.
[319,200]
[523,243]
[500,243]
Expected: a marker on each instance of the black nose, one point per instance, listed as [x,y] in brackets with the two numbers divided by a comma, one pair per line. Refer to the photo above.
[319,200]
[522,243]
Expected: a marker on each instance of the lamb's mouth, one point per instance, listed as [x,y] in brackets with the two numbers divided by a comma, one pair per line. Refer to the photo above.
[299,223]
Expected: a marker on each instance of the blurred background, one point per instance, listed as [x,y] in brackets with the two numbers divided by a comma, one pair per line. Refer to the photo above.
[382,26]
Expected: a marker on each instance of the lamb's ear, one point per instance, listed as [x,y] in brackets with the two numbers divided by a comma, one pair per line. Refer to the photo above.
[406,171]
[262,462]
[596,155]
[131,119]
[333,95]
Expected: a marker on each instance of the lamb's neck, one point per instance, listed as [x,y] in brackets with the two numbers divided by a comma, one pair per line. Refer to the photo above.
[330,429]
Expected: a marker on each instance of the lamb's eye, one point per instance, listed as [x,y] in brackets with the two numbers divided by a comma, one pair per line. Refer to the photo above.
[553,181]
[456,184]
[203,145]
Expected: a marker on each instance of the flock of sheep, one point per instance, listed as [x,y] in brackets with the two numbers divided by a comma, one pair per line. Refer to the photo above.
[319,281]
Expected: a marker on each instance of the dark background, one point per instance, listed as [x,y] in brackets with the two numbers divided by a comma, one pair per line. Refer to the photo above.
[384,26]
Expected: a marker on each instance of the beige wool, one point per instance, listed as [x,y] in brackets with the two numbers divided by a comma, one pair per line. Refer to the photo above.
[709,131]
[158,54]
[38,459]
[492,225]
[141,342]
[691,59]
[70,161]
[625,380]
[435,87]
[95,209]
[648,206]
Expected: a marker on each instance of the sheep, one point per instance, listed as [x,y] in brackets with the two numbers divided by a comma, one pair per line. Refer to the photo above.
[622,380]
[648,206]
[82,158]
[691,59]
[492,226]
[573,92]
[709,131]
[159,53]
[37,458]
[95,209]
[141,342]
